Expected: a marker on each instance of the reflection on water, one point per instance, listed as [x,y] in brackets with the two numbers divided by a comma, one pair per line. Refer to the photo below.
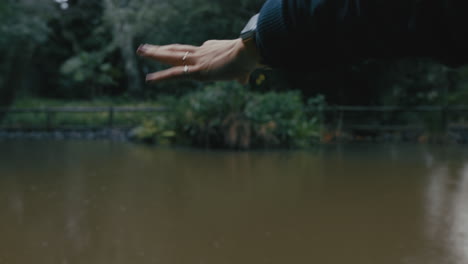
[447,198]
[460,218]
[98,202]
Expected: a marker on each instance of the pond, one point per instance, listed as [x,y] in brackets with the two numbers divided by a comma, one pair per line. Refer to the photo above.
[101,202]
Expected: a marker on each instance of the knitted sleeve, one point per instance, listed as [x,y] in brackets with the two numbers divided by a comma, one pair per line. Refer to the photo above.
[317,33]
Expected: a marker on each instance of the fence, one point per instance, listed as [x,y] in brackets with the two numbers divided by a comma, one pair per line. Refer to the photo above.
[444,117]
[63,118]
[363,118]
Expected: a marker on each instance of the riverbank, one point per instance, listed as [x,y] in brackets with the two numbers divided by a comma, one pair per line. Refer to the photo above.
[222,115]
[231,117]
[459,136]
[88,134]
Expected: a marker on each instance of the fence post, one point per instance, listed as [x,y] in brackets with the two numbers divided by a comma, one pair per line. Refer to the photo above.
[339,127]
[111,118]
[48,113]
[444,121]
[321,116]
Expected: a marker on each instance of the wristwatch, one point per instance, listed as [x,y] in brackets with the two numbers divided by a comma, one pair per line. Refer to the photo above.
[250,29]
[248,35]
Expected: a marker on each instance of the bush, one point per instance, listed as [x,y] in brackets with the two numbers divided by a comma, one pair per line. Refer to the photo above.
[155,130]
[227,115]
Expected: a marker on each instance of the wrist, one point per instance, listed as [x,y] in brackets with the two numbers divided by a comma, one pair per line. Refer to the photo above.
[250,47]
[248,36]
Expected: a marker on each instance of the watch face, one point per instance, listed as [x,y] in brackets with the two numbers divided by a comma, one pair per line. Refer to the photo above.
[250,29]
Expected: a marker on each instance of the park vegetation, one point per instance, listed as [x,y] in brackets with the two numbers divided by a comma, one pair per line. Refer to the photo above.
[228,115]
[84,50]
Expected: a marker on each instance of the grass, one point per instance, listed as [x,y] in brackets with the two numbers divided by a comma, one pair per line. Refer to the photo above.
[36,102]
[39,120]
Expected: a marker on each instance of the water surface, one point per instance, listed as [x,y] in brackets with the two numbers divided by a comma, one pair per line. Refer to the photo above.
[102,202]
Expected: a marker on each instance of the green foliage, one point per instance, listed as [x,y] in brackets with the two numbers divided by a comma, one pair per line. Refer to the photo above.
[25,20]
[23,27]
[155,130]
[88,50]
[67,119]
[279,120]
[87,73]
[459,95]
[228,115]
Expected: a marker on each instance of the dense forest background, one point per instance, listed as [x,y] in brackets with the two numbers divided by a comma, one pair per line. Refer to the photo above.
[82,49]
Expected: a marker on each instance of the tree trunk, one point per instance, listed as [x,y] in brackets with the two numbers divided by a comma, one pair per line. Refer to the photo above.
[123,36]
[127,51]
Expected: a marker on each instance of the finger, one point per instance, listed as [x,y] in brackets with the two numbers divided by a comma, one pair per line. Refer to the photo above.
[174,73]
[181,48]
[164,55]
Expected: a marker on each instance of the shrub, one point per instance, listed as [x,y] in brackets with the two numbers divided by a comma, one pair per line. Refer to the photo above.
[213,116]
[156,130]
[227,115]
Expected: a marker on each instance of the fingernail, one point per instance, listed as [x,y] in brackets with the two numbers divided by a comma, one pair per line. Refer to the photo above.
[142,49]
[150,77]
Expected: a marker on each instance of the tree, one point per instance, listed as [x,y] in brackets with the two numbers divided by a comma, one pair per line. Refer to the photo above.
[127,20]
[81,56]
[23,28]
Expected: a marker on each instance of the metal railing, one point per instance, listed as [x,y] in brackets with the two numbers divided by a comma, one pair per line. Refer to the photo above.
[49,114]
[351,117]
[338,115]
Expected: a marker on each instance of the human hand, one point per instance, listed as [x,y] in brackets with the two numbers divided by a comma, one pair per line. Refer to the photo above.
[215,60]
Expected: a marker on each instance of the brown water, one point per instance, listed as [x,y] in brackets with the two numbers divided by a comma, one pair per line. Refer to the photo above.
[100,202]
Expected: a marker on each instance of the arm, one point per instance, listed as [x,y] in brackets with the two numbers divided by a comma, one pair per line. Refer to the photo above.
[308,34]
[284,39]
[214,60]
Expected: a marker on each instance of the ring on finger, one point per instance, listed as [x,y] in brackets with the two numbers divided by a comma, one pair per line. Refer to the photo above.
[186,69]
[185,56]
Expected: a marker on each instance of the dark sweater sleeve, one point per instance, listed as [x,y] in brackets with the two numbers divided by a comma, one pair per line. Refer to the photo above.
[317,33]
[272,33]
[308,33]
